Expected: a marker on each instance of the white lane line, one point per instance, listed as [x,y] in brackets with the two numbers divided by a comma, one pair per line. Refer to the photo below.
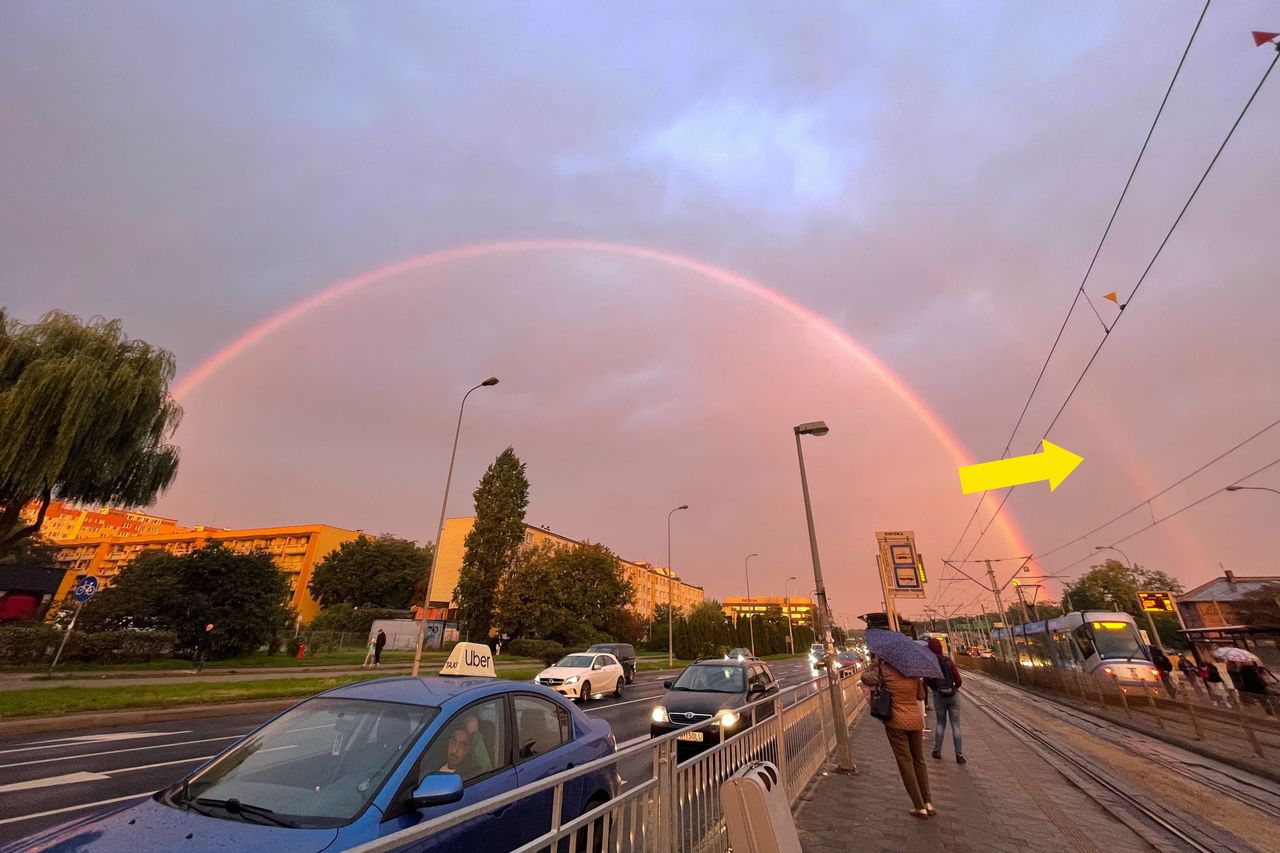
[89,740]
[118,751]
[50,781]
[192,760]
[65,809]
[613,705]
[633,741]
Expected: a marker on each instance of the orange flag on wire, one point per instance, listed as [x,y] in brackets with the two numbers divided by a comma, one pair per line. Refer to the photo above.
[1112,297]
[1259,39]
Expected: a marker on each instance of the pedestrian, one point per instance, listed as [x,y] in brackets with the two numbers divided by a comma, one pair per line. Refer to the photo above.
[370,653]
[203,641]
[946,703]
[904,731]
[378,645]
[1213,682]
[1191,673]
[1162,662]
[1253,689]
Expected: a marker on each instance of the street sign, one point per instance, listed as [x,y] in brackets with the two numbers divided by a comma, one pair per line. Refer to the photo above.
[85,588]
[1156,602]
[900,564]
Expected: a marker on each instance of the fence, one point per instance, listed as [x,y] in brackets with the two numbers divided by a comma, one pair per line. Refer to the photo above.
[671,806]
[1221,722]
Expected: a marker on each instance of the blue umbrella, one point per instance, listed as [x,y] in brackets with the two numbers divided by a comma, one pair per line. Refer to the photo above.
[903,654]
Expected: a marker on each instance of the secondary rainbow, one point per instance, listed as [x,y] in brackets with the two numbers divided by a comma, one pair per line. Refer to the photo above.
[836,337]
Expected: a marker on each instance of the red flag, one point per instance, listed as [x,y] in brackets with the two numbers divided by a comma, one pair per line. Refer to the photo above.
[1259,39]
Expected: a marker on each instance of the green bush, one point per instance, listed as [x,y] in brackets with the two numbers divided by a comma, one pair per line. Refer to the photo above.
[37,644]
[342,618]
[530,648]
[553,655]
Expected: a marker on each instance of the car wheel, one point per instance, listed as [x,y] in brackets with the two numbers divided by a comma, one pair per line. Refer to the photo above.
[631,676]
[584,692]
[597,840]
[617,689]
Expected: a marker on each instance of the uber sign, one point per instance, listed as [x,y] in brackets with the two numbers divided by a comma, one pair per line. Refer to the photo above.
[470,659]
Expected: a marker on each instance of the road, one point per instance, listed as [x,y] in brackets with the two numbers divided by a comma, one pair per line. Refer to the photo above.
[49,779]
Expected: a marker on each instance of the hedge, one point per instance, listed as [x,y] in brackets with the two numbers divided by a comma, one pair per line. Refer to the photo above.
[28,644]
[548,650]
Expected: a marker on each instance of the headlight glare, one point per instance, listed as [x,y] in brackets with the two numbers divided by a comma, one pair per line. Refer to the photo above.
[659,714]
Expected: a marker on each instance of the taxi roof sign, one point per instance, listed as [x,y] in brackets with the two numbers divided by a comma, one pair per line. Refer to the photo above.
[471,660]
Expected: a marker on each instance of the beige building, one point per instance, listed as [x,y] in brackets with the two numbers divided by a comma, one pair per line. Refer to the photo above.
[296,550]
[651,582]
[799,609]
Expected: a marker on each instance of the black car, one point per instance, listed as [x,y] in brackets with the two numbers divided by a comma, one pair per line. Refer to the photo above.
[713,690]
[624,652]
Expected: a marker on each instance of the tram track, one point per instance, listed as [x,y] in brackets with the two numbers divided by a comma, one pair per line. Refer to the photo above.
[1163,829]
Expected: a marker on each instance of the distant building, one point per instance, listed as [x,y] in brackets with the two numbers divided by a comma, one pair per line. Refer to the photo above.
[799,609]
[295,549]
[651,582]
[64,521]
[1214,616]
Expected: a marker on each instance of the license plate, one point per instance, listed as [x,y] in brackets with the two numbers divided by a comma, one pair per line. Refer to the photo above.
[696,737]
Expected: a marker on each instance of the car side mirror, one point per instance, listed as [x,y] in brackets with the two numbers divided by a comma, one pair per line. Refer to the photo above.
[666,685]
[755,688]
[596,666]
[437,789]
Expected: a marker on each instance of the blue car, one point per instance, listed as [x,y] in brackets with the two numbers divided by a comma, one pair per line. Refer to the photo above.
[362,761]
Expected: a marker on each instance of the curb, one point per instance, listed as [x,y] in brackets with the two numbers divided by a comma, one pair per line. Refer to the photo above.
[133,716]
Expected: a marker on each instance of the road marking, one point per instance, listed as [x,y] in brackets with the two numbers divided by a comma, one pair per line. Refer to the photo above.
[50,781]
[88,740]
[192,760]
[604,708]
[65,809]
[633,741]
[118,751]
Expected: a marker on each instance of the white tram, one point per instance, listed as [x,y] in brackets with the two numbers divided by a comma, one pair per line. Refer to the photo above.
[1093,642]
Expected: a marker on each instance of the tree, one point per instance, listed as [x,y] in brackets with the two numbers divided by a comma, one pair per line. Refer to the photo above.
[571,594]
[383,572]
[494,541]
[1114,586]
[242,595]
[1259,607]
[86,416]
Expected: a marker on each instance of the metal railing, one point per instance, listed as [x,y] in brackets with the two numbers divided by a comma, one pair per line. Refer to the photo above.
[670,805]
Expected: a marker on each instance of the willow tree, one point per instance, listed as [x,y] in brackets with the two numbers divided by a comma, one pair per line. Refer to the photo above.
[85,416]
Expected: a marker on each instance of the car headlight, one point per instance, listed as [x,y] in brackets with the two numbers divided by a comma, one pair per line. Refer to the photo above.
[659,714]
[728,718]
[573,679]
[838,665]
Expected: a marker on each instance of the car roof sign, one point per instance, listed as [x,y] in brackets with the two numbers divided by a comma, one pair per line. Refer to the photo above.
[471,660]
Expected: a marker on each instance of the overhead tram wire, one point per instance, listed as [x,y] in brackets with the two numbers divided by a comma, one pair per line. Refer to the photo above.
[1163,519]
[1088,271]
[1141,279]
[1163,491]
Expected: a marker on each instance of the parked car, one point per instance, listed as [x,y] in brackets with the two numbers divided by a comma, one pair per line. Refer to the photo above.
[583,675]
[624,652]
[817,651]
[365,760]
[741,653]
[713,690]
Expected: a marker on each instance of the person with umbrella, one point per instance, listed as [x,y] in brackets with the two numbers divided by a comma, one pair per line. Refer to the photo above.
[900,664]
[1252,686]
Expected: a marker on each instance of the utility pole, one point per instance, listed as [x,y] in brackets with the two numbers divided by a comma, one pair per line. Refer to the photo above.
[1008,629]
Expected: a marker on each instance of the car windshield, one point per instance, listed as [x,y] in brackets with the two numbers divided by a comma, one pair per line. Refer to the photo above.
[318,764]
[576,661]
[714,679]
[1117,640]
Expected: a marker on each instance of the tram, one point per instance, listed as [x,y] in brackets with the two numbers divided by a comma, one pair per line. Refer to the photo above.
[1098,643]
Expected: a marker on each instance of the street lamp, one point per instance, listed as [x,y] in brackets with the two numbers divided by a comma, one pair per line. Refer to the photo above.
[786,605]
[844,760]
[671,573]
[426,599]
[751,622]
[1252,489]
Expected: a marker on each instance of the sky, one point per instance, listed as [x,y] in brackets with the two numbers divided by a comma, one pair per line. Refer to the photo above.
[705,224]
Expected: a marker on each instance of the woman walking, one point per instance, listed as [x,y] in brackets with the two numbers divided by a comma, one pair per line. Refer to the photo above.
[904,730]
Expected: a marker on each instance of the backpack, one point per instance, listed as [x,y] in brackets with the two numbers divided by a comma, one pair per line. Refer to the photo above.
[946,685]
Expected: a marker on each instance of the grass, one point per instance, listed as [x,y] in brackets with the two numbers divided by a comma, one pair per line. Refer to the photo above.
[54,701]
[258,660]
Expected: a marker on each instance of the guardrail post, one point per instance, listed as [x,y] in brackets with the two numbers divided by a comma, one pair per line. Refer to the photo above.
[1151,700]
[1123,700]
[1244,722]
[781,753]
[1195,721]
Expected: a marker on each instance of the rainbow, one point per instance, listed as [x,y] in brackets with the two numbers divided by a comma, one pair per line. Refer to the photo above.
[188,383]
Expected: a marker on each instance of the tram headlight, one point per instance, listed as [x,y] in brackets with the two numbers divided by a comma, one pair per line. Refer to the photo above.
[1108,670]
[1155,673]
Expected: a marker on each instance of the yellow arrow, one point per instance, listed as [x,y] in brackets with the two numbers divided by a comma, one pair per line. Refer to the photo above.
[1054,464]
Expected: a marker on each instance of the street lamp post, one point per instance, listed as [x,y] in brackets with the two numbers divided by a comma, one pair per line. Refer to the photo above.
[844,759]
[1253,489]
[444,503]
[671,573]
[1151,623]
[786,605]
[751,622]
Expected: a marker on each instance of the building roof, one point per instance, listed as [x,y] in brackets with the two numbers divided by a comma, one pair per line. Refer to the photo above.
[1228,588]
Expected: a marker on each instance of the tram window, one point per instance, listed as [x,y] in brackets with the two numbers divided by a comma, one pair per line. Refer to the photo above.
[1084,641]
[1117,640]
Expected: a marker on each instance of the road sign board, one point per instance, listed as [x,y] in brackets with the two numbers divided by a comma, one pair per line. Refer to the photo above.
[85,588]
[1156,602]
[900,563]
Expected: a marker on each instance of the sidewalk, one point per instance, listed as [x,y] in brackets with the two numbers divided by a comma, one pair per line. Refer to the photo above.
[1006,799]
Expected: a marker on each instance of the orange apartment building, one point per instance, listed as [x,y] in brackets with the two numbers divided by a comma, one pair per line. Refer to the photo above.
[64,521]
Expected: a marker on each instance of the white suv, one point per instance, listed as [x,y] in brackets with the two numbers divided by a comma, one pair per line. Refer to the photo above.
[583,675]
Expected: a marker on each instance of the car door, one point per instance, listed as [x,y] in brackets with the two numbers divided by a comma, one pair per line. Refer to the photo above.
[487,771]
[544,746]
[610,671]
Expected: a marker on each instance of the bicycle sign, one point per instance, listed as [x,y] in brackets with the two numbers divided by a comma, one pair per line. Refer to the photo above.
[85,588]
